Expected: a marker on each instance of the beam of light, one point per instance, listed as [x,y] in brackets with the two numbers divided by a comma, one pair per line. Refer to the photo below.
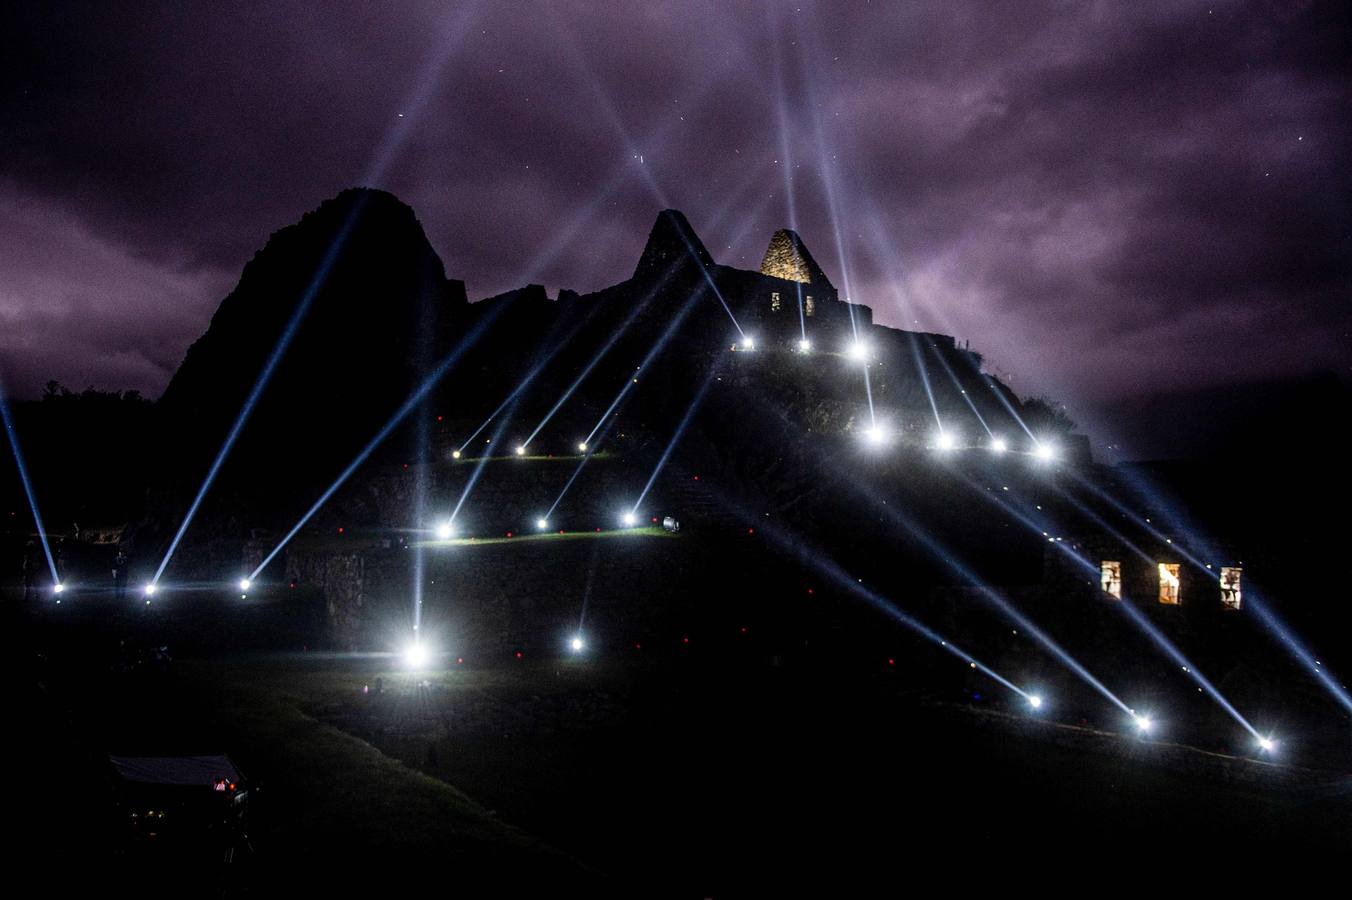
[1187,535]
[540,365]
[959,568]
[1138,618]
[382,159]
[577,470]
[652,354]
[393,422]
[278,351]
[587,589]
[501,428]
[13,436]
[992,596]
[708,279]
[884,251]
[419,514]
[868,392]
[786,154]
[952,376]
[506,402]
[676,436]
[588,445]
[1253,602]
[482,463]
[794,544]
[606,421]
[596,358]
[1285,636]
[642,305]
[924,376]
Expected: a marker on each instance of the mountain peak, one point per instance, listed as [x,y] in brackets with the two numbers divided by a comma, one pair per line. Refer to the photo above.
[671,242]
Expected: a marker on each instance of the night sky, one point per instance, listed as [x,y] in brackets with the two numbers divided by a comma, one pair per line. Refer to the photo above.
[1107,200]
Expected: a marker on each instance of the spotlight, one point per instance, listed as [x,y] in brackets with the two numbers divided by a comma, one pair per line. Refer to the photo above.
[455,454]
[804,346]
[245,584]
[998,445]
[859,351]
[1044,452]
[748,342]
[876,435]
[630,519]
[520,449]
[1035,701]
[415,655]
[1143,724]
[444,531]
[58,588]
[1267,745]
[945,441]
[582,446]
[541,523]
[150,589]
[577,644]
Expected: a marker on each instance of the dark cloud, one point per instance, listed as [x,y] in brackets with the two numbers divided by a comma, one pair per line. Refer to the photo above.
[1107,199]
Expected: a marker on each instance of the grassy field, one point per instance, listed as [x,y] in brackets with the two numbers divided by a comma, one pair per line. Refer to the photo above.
[661,776]
[653,531]
[638,775]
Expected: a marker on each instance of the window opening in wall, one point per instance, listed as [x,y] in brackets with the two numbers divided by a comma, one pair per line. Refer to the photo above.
[1169,583]
[1230,596]
[1110,578]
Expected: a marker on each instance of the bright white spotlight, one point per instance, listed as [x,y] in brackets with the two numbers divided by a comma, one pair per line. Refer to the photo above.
[998,445]
[150,589]
[58,588]
[876,435]
[1043,451]
[1035,701]
[520,449]
[858,351]
[245,584]
[945,440]
[577,644]
[415,655]
[804,346]
[541,523]
[747,343]
[630,519]
[444,531]
[582,446]
[1267,745]
[1143,724]
[455,454]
